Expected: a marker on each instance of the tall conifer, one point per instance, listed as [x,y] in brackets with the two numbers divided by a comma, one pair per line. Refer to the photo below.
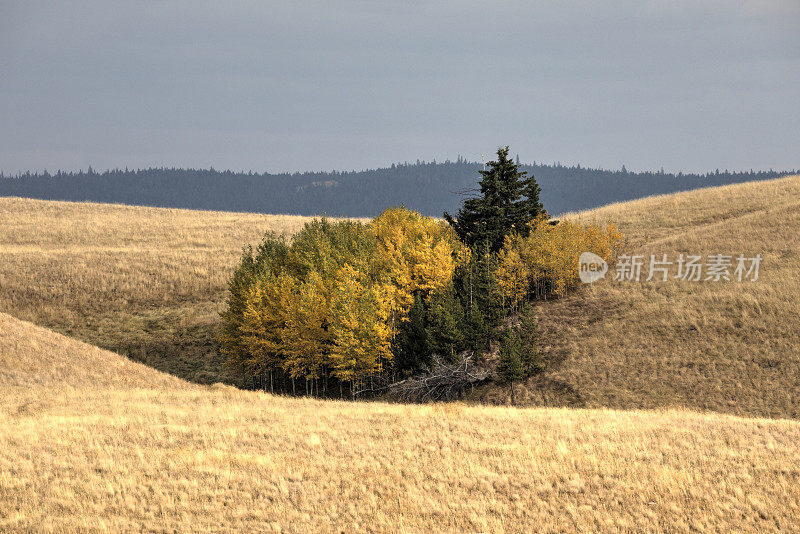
[508,201]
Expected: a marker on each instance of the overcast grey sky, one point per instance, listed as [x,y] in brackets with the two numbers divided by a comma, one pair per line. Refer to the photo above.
[350,85]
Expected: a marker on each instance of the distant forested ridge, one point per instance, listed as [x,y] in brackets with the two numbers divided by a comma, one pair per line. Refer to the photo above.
[429,188]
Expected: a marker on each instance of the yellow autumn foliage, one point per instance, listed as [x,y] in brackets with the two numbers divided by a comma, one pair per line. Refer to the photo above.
[328,303]
[417,253]
[359,331]
[545,262]
[262,328]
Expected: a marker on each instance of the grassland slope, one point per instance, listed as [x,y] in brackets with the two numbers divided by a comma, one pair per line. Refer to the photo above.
[92,441]
[725,346]
[145,282]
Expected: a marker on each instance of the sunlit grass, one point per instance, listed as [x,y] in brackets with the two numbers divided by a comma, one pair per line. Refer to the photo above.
[90,440]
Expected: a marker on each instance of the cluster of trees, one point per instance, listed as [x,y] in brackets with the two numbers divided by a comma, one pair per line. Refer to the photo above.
[326,308]
[519,349]
[347,306]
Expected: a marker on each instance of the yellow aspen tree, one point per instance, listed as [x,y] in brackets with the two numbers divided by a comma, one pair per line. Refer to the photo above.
[512,273]
[418,254]
[306,337]
[548,256]
[360,336]
[263,322]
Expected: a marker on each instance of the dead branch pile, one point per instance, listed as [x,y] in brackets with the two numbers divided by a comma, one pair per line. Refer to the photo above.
[444,382]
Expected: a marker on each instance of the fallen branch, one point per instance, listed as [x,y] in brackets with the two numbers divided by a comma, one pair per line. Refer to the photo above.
[444,381]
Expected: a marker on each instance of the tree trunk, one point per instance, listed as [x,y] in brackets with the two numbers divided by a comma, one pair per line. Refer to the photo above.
[470,288]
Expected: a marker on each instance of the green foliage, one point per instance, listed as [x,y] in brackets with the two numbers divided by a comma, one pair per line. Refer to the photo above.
[411,347]
[510,368]
[325,247]
[435,325]
[476,287]
[519,352]
[462,315]
[446,317]
[529,207]
[508,201]
[529,337]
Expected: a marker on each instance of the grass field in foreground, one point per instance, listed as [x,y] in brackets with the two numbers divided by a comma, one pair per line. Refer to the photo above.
[92,441]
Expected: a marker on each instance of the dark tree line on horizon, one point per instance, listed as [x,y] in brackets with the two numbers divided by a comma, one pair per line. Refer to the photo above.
[428,187]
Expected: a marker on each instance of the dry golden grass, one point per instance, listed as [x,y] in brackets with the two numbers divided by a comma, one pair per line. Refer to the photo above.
[91,441]
[146,282]
[728,346]
[112,255]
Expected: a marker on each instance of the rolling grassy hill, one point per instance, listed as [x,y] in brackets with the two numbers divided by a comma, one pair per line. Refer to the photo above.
[145,282]
[149,283]
[90,440]
[728,346]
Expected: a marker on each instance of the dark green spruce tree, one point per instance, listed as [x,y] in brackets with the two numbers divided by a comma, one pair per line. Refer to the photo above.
[446,330]
[529,337]
[508,201]
[529,207]
[412,350]
[475,287]
[511,367]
